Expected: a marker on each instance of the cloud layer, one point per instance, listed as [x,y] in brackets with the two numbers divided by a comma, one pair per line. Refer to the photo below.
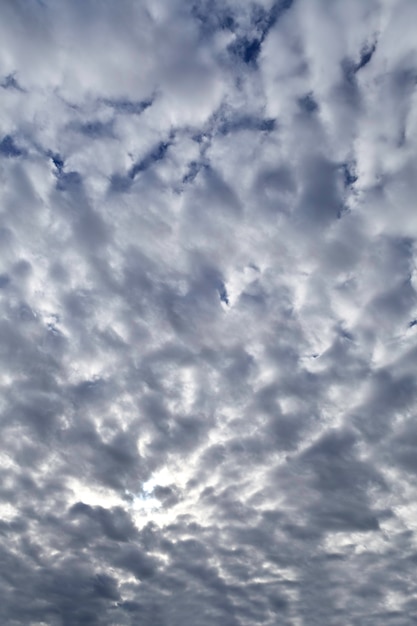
[208,312]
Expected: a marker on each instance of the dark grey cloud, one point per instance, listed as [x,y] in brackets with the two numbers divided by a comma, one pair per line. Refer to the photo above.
[208,313]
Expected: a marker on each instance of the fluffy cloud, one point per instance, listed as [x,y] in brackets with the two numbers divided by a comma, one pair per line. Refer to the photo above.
[208,312]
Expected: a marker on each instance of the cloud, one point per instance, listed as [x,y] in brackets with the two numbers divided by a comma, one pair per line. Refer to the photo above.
[208,313]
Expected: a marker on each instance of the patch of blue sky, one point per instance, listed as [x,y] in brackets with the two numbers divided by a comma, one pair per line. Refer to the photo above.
[155,155]
[9,148]
[129,107]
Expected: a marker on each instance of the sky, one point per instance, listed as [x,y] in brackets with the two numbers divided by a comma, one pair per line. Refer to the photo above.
[208,312]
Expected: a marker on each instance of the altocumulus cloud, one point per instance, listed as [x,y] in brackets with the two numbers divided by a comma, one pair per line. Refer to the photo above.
[208,312]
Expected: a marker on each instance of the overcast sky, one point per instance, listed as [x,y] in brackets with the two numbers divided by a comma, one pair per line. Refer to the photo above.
[208,327]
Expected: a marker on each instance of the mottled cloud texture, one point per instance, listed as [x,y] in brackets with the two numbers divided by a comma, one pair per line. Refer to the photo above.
[208,312]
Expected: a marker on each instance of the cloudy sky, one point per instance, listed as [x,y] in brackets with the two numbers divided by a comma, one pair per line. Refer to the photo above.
[208,328]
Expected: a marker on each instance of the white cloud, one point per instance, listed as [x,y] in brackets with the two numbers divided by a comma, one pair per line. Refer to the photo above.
[208,306]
